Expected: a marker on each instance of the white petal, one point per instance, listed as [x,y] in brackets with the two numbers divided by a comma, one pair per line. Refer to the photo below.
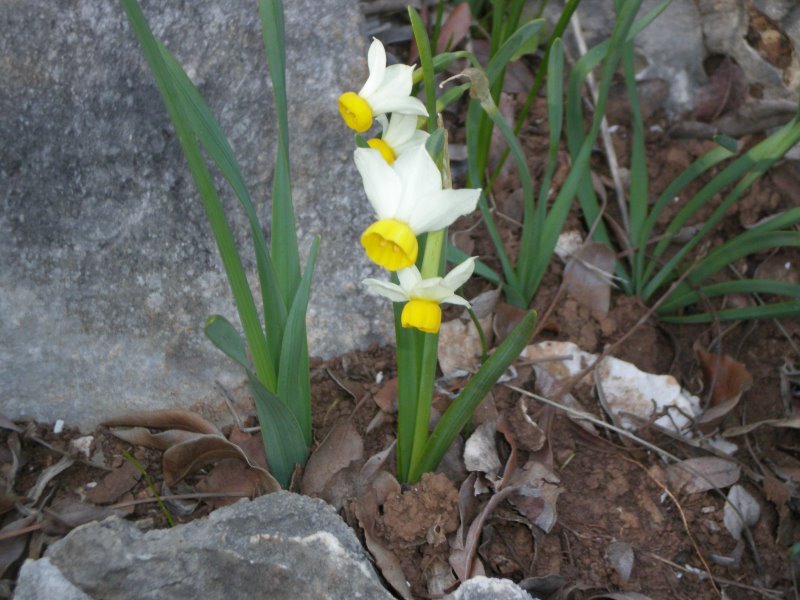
[401,129]
[420,178]
[384,123]
[409,278]
[460,274]
[436,292]
[376,61]
[386,289]
[381,184]
[455,300]
[406,105]
[417,139]
[439,210]
[397,82]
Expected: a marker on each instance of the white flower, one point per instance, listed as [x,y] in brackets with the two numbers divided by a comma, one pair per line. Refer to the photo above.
[399,134]
[408,200]
[423,296]
[387,89]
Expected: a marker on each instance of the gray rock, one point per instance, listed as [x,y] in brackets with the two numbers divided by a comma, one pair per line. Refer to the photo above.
[670,49]
[485,588]
[279,546]
[107,265]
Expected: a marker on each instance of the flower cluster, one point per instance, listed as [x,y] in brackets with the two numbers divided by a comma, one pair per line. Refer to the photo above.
[404,187]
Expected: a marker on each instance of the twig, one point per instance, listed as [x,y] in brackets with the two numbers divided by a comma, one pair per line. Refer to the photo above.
[683,519]
[767,593]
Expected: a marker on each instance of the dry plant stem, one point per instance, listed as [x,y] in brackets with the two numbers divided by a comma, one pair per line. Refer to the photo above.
[236,418]
[611,155]
[683,519]
[766,593]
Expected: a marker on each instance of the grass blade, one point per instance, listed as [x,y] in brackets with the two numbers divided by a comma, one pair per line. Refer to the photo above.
[426,61]
[677,300]
[456,256]
[778,310]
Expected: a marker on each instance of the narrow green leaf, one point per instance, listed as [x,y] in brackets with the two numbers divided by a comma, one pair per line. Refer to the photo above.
[460,411]
[511,47]
[450,96]
[426,61]
[283,439]
[686,296]
[294,387]
[435,144]
[727,142]
[360,141]
[778,310]
[212,138]
[285,252]
[407,387]
[225,337]
[205,186]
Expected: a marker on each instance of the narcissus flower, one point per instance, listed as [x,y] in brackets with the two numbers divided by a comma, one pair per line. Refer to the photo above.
[409,200]
[387,90]
[400,134]
[423,296]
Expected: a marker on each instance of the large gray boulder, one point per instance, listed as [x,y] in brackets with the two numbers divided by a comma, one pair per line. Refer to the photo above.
[107,266]
[279,546]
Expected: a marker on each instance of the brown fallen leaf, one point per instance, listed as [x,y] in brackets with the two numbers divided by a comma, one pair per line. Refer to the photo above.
[696,475]
[164,419]
[365,509]
[455,28]
[726,90]
[7,501]
[588,277]
[505,319]
[252,444]
[729,380]
[536,493]
[113,485]
[187,457]
[341,446]
[66,515]
[141,436]
[11,549]
[231,476]
[386,398]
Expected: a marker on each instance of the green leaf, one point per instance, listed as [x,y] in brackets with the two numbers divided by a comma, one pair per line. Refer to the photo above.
[212,138]
[435,144]
[727,142]
[450,96]
[283,439]
[684,296]
[294,387]
[426,61]
[360,141]
[284,235]
[460,411]
[205,185]
[514,44]
[225,337]
[777,310]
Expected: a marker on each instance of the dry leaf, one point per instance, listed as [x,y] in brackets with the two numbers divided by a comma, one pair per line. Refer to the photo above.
[463,566]
[695,475]
[537,494]
[620,555]
[741,510]
[506,317]
[46,476]
[587,277]
[66,515]
[480,450]
[186,458]
[341,446]
[386,398]
[11,549]
[792,423]
[113,485]
[231,476]
[141,436]
[164,419]
[726,90]
[455,28]
[729,378]
[366,511]
[460,345]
